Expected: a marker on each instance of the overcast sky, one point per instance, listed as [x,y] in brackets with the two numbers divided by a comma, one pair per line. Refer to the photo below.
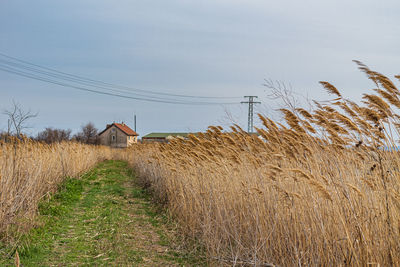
[208,48]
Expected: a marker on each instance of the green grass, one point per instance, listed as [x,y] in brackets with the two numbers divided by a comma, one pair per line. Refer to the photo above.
[101,219]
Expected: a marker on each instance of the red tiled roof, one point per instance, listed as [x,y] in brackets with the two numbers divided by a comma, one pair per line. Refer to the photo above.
[123,127]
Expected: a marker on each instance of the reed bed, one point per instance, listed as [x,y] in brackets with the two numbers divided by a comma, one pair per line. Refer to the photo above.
[320,189]
[29,171]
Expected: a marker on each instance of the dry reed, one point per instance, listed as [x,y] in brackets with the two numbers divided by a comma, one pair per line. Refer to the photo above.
[30,171]
[320,193]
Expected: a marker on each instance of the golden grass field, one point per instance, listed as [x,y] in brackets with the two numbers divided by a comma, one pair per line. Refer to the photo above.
[319,189]
[29,171]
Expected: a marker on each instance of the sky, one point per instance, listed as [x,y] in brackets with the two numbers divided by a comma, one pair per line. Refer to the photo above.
[215,48]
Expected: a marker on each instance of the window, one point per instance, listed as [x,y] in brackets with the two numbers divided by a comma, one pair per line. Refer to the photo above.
[113,130]
[113,137]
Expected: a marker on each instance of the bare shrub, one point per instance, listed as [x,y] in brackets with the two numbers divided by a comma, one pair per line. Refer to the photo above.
[51,135]
[87,135]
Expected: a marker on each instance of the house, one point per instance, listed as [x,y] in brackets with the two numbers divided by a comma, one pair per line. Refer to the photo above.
[163,137]
[118,135]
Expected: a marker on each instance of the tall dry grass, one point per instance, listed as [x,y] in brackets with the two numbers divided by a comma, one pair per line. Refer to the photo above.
[321,189]
[30,170]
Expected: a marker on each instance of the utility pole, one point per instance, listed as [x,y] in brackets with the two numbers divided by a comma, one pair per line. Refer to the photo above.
[251,103]
[134,121]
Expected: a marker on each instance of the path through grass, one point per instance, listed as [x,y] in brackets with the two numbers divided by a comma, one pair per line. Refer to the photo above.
[102,219]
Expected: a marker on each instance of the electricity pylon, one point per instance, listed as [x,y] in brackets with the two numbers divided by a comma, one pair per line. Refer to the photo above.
[251,103]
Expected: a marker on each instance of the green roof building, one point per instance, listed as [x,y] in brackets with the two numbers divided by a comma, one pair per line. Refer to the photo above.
[163,137]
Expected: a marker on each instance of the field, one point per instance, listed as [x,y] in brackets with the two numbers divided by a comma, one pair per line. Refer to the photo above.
[29,171]
[321,188]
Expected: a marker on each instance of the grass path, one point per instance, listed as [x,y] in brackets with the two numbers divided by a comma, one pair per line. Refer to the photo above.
[102,219]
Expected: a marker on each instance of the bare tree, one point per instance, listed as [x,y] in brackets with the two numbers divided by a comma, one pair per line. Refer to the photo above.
[87,135]
[283,92]
[17,119]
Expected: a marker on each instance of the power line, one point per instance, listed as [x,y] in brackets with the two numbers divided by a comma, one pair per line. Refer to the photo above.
[92,81]
[31,76]
[34,71]
[16,68]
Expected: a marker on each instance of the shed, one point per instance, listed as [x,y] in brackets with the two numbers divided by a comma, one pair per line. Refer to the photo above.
[118,135]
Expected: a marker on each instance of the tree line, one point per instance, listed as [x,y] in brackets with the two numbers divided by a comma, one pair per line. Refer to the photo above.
[17,123]
[87,135]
